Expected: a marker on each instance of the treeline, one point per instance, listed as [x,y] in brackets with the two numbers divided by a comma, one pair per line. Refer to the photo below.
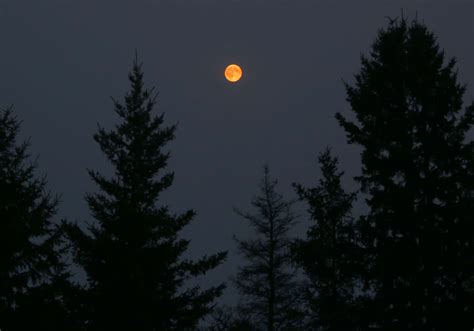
[405,264]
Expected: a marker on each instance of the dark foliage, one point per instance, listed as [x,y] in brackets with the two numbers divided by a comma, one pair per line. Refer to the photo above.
[418,176]
[328,255]
[33,277]
[132,255]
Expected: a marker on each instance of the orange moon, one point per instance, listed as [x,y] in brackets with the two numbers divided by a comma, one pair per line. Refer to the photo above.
[233,73]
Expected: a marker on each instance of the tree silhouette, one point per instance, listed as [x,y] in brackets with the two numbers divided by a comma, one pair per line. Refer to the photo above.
[33,277]
[328,255]
[225,318]
[267,282]
[132,255]
[418,176]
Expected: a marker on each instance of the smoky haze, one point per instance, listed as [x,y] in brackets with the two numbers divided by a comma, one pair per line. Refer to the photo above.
[62,60]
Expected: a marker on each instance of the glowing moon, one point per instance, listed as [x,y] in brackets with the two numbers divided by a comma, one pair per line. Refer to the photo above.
[233,73]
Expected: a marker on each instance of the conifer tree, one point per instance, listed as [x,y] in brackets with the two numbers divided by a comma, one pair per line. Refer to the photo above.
[328,255]
[226,318]
[267,283]
[33,276]
[132,254]
[417,172]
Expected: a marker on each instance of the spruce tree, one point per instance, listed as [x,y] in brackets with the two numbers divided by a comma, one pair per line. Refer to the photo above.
[417,172]
[132,254]
[33,276]
[328,255]
[267,283]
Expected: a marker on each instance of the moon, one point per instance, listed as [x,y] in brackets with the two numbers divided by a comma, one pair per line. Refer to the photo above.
[233,73]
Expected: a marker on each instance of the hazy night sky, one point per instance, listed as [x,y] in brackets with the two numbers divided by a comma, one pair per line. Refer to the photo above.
[61,61]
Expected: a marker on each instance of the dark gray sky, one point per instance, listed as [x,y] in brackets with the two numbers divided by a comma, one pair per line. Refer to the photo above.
[61,60]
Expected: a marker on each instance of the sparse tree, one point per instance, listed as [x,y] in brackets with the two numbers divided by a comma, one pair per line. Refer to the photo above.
[226,318]
[328,255]
[132,254]
[267,282]
[417,172]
